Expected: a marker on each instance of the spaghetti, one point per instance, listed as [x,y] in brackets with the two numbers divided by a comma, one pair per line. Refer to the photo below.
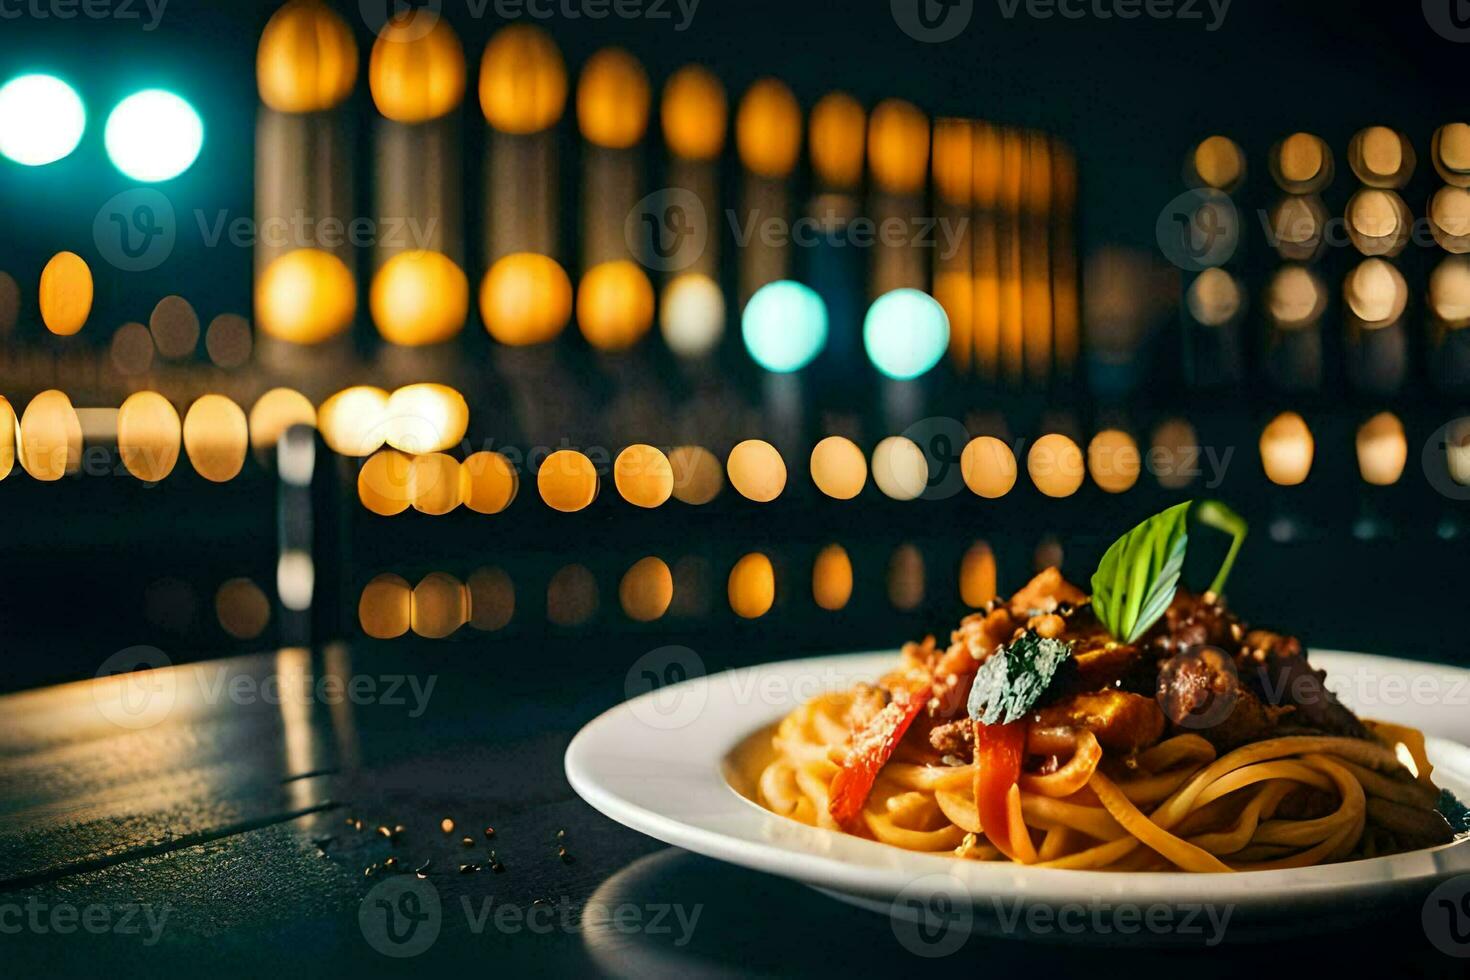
[1166,754]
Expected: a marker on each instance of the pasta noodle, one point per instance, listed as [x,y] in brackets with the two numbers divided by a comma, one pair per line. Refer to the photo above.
[1175,805]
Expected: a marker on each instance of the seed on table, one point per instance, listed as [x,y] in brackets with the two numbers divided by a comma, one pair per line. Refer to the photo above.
[467,841]
[566,858]
[370,870]
[471,868]
[446,825]
[489,831]
[423,870]
[390,864]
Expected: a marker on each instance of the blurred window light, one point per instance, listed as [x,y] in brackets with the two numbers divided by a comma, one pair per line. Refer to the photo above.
[307,58]
[419,297]
[612,99]
[416,71]
[148,435]
[1113,460]
[41,119]
[694,114]
[523,80]
[768,129]
[306,296]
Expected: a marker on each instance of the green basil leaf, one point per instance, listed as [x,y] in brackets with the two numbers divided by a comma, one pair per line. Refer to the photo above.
[1212,513]
[1014,678]
[1138,576]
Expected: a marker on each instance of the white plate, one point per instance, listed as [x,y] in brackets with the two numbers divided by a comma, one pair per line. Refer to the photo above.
[659,763]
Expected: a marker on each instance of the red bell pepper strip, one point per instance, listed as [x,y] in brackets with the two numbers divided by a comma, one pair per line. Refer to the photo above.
[999,750]
[870,751]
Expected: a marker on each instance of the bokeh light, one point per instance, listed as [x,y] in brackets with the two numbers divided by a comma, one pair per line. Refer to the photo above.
[352,420]
[525,299]
[832,578]
[492,599]
[276,411]
[489,482]
[1287,448]
[900,468]
[752,586]
[838,132]
[612,99]
[425,418]
[436,484]
[242,608]
[65,294]
[614,305]
[692,314]
[216,436]
[978,576]
[643,476]
[307,58]
[1383,450]
[439,605]
[567,481]
[50,437]
[784,326]
[693,113]
[988,467]
[416,71]
[153,136]
[385,482]
[646,590]
[906,332]
[148,434]
[41,119]
[839,468]
[385,608]
[306,296]
[698,476]
[768,129]
[523,80]
[1055,465]
[419,297]
[756,470]
[1113,460]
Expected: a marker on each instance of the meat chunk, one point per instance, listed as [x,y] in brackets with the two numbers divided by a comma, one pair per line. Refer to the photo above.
[1279,671]
[1120,720]
[1044,593]
[1201,692]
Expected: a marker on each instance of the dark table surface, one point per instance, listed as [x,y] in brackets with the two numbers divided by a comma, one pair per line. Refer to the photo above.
[214,822]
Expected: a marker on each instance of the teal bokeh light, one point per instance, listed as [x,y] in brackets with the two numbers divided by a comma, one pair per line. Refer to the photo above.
[41,119]
[153,135]
[905,333]
[784,325]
